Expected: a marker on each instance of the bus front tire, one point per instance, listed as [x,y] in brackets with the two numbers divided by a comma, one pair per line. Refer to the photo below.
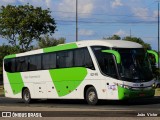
[91,96]
[26,96]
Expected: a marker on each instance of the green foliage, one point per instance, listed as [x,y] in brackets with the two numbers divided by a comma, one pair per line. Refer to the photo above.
[6,50]
[48,42]
[138,40]
[22,24]
[114,37]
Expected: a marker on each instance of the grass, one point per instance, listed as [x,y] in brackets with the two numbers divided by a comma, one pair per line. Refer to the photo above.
[1,90]
[157,93]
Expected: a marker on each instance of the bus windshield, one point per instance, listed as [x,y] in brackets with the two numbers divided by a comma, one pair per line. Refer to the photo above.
[135,65]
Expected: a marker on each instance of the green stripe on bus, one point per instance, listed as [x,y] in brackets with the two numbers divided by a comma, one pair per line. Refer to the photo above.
[68,79]
[124,93]
[115,53]
[154,53]
[16,82]
[60,47]
[10,56]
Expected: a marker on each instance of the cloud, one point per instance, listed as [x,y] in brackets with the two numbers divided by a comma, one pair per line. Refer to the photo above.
[155,13]
[48,3]
[6,2]
[142,13]
[121,33]
[84,32]
[116,3]
[39,3]
[9,1]
[42,3]
[68,8]
[60,8]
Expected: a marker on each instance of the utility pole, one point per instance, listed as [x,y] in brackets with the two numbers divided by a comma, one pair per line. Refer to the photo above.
[76,20]
[158,37]
[130,33]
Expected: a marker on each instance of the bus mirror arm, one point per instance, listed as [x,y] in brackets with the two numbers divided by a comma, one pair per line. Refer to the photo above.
[153,53]
[115,53]
[90,66]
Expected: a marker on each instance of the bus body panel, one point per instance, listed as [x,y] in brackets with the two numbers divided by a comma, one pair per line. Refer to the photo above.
[66,84]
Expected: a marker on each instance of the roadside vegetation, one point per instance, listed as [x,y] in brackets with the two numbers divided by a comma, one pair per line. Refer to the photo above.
[1,90]
[157,93]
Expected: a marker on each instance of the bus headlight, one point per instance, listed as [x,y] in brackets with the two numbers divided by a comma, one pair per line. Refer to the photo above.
[126,86]
[153,85]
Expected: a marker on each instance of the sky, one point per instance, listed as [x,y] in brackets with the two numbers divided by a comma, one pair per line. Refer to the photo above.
[100,18]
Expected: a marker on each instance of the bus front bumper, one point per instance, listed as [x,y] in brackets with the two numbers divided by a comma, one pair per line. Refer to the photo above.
[124,93]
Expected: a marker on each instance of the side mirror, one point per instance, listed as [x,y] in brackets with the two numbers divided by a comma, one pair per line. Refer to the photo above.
[90,66]
[115,53]
[153,53]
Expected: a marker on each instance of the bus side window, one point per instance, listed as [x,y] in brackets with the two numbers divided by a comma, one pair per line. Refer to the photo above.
[45,61]
[9,65]
[69,59]
[38,61]
[82,58]
[34,62]
[18,63]
[52,60]
[79,58]
[110,66]
[65,59]
[13,65]
[88,60]
[49,61]
[22,64]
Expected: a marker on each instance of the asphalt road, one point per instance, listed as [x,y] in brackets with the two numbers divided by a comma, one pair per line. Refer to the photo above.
[79,108]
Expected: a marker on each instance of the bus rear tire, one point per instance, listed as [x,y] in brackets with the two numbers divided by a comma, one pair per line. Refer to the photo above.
[91,96]
[26,96]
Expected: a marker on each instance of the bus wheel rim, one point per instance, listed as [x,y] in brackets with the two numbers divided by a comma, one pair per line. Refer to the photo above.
[92,96]
[26,96]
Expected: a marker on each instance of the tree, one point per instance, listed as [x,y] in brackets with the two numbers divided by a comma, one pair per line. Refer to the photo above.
[21,25]
[138,40]
[114,37]
[6,50]
[48,41]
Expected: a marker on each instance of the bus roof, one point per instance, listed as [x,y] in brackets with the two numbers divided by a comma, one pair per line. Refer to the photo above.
[79,44]
[110,43]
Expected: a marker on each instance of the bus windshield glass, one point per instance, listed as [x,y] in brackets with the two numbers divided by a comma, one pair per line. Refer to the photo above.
[135,65]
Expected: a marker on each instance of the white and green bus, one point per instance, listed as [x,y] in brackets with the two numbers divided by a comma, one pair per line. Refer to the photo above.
[92,70]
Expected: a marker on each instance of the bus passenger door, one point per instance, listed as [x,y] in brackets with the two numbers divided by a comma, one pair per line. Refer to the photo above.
[112,89]
[110,70]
